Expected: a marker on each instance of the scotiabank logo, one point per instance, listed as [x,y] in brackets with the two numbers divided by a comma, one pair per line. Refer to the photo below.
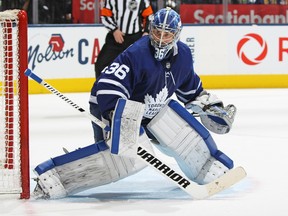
[261,51]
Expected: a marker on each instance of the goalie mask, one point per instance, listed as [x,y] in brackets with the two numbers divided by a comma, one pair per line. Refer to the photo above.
[165,28]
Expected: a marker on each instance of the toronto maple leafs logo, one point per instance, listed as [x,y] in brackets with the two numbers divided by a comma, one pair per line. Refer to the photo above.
[153,106]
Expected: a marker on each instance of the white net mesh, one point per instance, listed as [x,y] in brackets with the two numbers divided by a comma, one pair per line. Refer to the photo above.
[10,175]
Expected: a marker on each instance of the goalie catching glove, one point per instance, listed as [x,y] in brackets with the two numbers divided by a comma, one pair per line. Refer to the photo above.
[214,116]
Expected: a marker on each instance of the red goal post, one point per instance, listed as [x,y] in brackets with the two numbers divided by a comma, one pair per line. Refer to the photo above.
[14,115]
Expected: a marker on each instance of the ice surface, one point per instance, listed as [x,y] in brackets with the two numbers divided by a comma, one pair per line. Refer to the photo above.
[258,141]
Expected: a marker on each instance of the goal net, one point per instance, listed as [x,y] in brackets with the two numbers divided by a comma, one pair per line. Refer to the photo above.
[14,152]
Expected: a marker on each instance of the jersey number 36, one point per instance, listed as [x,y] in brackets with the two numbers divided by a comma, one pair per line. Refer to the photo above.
[120,71]
[159,53]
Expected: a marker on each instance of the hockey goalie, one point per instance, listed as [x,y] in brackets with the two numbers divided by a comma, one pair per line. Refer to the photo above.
[133,96]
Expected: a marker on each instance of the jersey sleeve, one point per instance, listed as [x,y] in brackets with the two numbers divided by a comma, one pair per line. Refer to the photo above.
[192,85]
[117,81]
[190,89]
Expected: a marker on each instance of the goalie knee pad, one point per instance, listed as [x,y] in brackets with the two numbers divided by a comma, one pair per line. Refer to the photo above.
[82,169]
[180,135]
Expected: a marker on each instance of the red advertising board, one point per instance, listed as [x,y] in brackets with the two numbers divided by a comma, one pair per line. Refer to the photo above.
[83,11]
[236,14]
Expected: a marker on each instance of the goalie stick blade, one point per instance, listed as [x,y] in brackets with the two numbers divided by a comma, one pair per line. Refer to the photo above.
[195,190]
[227,180]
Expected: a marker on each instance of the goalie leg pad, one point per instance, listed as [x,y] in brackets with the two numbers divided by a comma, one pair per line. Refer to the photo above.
[180,135]
[126,122]
[83,169]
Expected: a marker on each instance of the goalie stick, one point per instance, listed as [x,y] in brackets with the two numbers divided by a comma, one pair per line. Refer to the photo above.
[195,190]
[36,78]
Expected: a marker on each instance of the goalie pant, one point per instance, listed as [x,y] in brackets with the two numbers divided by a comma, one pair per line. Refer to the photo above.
[179,135]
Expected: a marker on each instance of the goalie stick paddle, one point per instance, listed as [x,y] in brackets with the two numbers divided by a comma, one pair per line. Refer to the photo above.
[195,190]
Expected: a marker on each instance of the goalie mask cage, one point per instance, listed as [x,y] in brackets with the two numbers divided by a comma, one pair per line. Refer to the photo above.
[14,136]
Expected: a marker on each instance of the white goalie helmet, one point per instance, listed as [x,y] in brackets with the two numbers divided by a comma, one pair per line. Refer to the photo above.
[165,28]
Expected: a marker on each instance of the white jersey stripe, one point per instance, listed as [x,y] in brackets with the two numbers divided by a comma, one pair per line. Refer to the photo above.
[113,82]
[111,92]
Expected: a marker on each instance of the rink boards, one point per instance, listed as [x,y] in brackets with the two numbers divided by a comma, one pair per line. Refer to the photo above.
[225,56]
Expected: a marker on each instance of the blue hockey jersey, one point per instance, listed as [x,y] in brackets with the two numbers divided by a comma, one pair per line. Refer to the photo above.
[136,75]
